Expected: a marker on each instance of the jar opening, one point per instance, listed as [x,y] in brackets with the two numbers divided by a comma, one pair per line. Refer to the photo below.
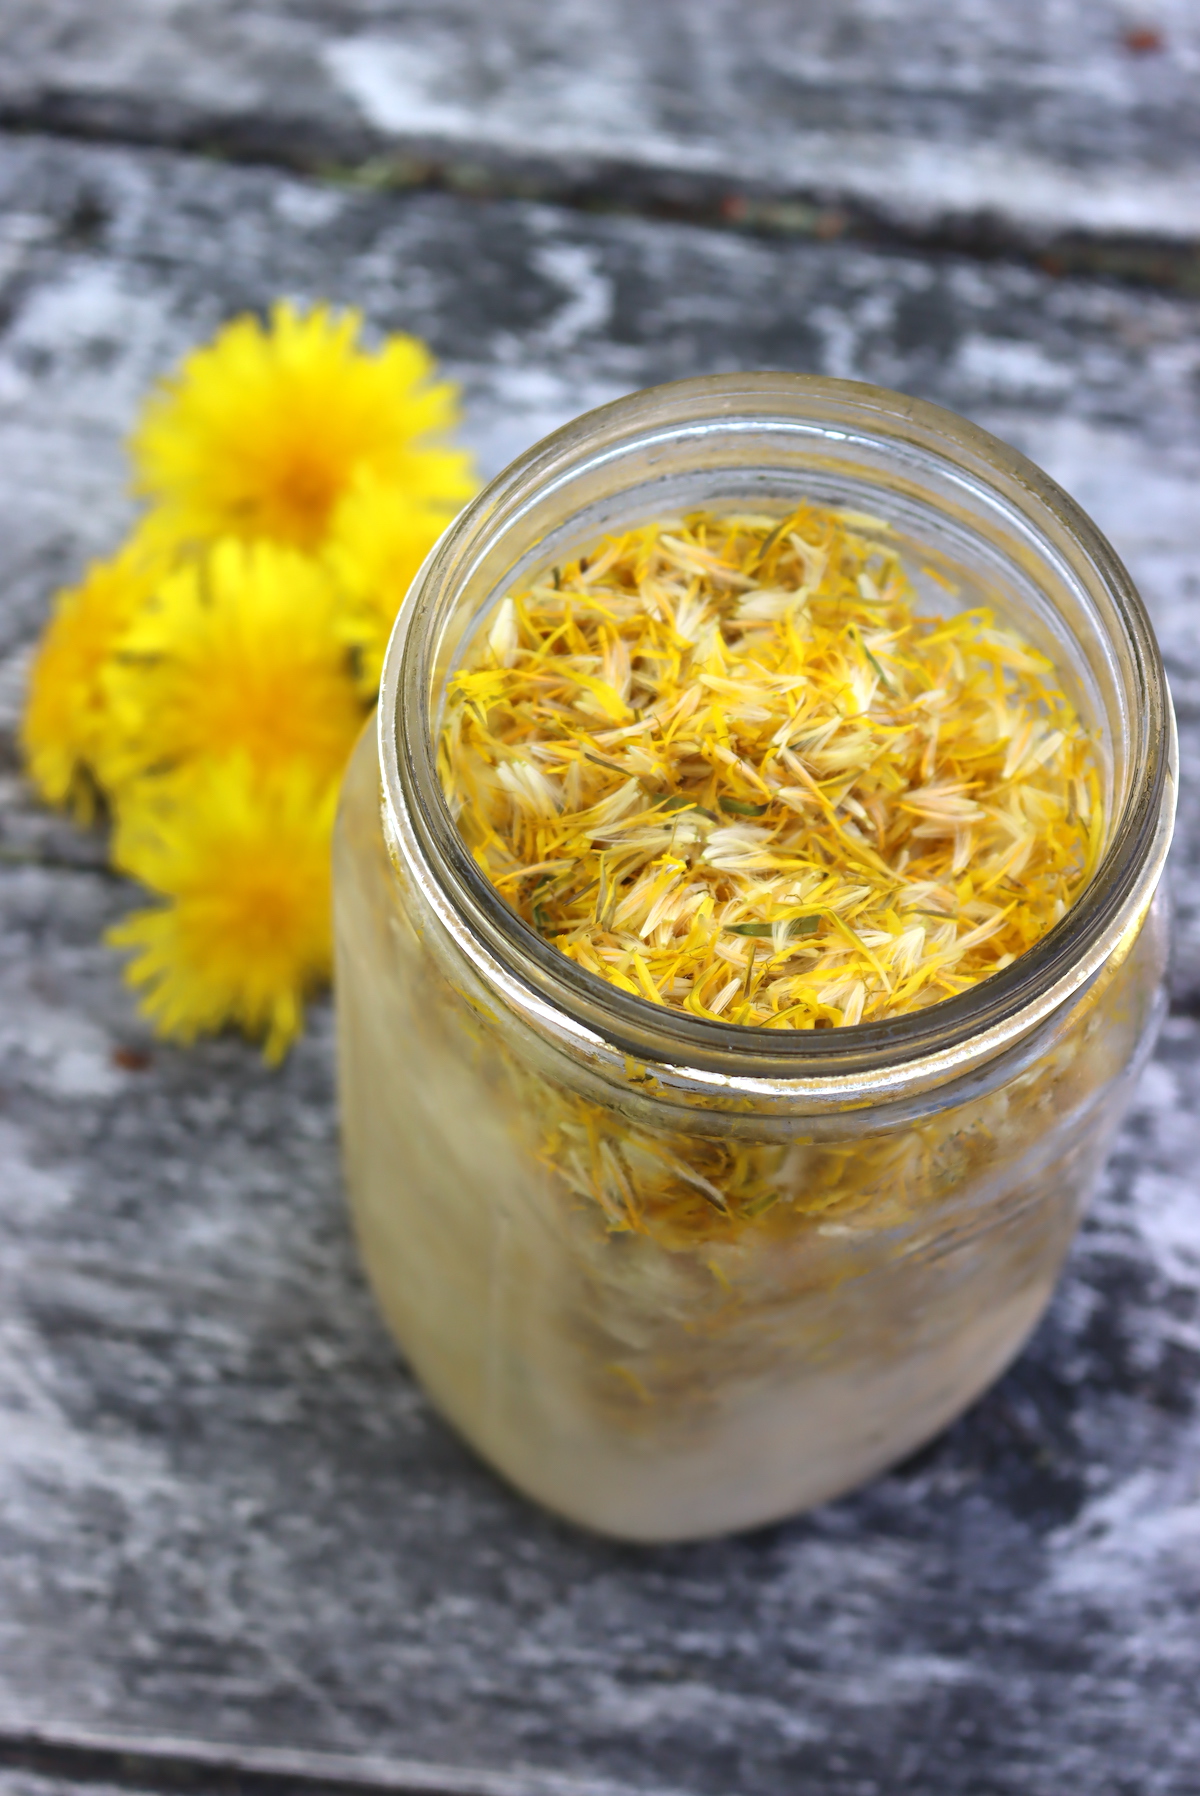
[962,504]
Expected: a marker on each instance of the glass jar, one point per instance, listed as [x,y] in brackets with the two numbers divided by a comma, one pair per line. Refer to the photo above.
[673,1277]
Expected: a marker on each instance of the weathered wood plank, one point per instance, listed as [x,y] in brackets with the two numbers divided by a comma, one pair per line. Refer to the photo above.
[226,1515]
[1024,120]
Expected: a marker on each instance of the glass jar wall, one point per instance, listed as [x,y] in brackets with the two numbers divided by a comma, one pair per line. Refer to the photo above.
[673,1277]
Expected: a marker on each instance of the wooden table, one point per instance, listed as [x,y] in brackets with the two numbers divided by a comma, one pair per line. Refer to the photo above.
[237,1551]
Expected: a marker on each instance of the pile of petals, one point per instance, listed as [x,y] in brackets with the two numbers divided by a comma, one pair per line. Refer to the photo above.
[202,690]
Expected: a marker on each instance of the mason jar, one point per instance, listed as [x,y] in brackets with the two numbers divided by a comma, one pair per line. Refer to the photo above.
[670,1276]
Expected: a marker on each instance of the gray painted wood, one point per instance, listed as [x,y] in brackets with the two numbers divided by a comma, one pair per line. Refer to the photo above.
[1030,119]
[227,1518]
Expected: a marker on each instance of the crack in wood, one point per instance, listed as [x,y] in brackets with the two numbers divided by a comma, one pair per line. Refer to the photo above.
[199,1768]
[624,190]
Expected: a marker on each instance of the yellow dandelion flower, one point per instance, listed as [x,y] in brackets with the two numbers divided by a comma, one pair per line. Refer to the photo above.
[378,538]
[243,859]
[260,432]
[66,720]
[237,653]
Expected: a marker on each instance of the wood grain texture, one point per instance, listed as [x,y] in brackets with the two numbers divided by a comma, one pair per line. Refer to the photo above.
[1027,120]
[226,1515]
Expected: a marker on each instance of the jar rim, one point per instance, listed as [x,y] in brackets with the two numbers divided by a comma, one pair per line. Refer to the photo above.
[561,998]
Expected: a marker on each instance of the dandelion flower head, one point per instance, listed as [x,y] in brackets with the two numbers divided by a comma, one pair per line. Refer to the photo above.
[66,722]
[378,539]
[242,859]
[238,652]
[261,432]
